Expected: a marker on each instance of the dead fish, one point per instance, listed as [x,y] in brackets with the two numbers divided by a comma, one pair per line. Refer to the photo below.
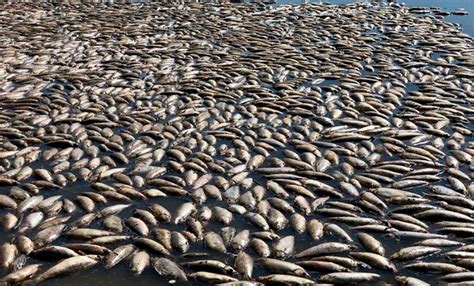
[349,277]
[168,268]
[118,254]
[139,262]
[324,249]
[66,266]
[22,274]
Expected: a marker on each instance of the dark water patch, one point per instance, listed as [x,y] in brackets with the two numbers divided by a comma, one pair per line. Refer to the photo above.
[466,21]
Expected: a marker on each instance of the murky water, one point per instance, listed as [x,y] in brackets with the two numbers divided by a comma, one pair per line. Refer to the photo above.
[466,22]
[120,275]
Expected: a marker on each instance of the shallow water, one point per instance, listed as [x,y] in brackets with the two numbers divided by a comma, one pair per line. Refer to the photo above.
[466,22]
[120,275]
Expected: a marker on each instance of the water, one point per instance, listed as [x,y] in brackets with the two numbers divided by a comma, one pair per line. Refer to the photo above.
[466,22]
[120,275]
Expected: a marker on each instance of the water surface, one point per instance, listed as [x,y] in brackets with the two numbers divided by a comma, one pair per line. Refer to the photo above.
[120,275]
[466,22]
